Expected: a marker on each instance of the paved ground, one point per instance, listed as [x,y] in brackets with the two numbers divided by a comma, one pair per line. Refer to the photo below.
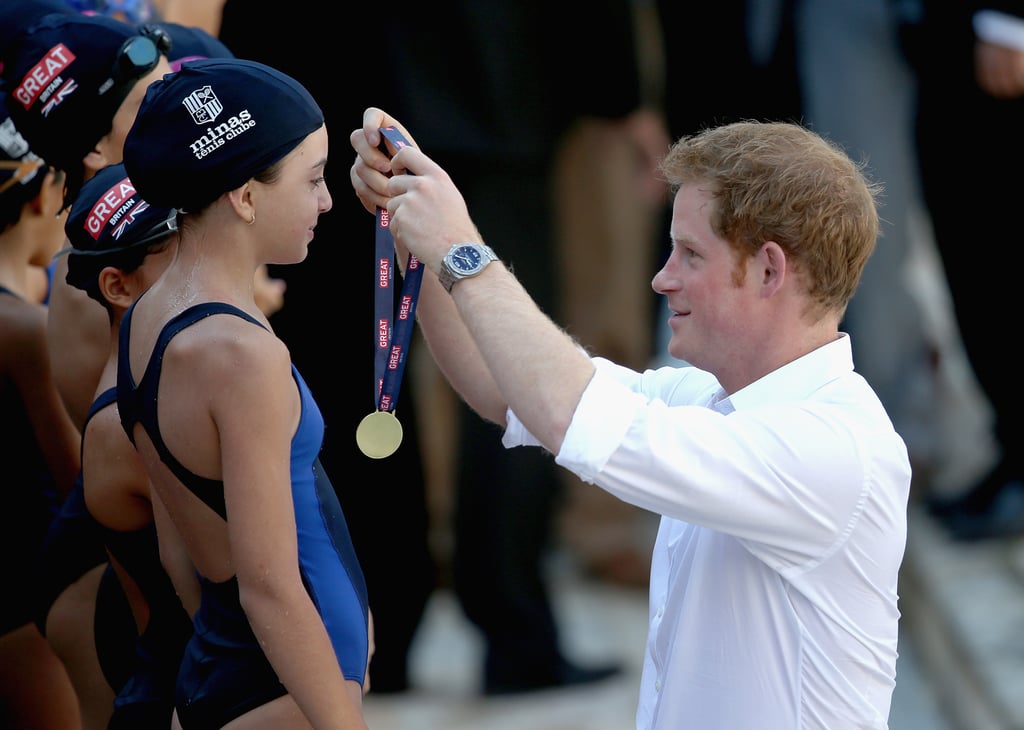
[602,623]
[963,606]
[961,661]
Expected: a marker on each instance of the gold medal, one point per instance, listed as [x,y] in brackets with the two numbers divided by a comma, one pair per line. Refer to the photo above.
[379,434]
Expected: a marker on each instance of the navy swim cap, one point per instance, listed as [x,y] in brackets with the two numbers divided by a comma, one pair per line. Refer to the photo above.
[211,126]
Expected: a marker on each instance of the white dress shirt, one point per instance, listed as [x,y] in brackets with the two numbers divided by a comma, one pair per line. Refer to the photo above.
[773,595]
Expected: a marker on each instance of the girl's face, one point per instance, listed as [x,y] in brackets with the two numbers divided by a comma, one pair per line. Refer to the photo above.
[288,209]
[51,199]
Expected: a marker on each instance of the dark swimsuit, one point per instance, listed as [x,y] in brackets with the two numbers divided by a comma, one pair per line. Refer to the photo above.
[30,503]
[146,696]
[71,545]
[63,541]
[224,672]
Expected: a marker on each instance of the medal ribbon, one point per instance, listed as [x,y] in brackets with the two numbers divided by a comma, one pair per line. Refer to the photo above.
[391,343]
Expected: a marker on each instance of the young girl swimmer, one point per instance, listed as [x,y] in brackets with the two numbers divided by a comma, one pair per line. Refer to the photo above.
[226,426]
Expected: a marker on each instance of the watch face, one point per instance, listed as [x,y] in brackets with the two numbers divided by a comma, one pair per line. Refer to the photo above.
[465,259]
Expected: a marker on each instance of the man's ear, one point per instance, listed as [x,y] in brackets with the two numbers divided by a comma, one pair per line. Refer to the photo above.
[771,265]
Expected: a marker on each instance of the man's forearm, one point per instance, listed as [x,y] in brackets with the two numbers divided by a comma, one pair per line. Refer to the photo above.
[539,370]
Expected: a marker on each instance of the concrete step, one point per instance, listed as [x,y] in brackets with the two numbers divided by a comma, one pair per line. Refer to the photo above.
[964,605]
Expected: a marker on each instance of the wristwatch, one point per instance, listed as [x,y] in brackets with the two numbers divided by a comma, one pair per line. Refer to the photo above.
[462,261]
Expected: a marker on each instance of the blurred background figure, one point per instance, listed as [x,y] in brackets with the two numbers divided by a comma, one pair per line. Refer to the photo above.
[609,205]
[858,87]
[516,106]
[840,68]
[969,58]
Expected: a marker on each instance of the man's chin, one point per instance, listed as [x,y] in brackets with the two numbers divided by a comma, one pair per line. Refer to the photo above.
[677,352]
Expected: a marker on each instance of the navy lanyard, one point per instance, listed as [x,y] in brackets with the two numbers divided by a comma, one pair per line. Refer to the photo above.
[392,342]
[380,433]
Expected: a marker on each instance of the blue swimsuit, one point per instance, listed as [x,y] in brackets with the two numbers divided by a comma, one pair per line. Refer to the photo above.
[224,672]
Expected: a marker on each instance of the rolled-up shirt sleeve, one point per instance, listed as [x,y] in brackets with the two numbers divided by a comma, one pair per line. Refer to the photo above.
[753,465]
[605,401]
[610,406]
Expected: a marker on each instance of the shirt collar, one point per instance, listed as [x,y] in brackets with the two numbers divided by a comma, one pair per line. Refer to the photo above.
[794,381]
